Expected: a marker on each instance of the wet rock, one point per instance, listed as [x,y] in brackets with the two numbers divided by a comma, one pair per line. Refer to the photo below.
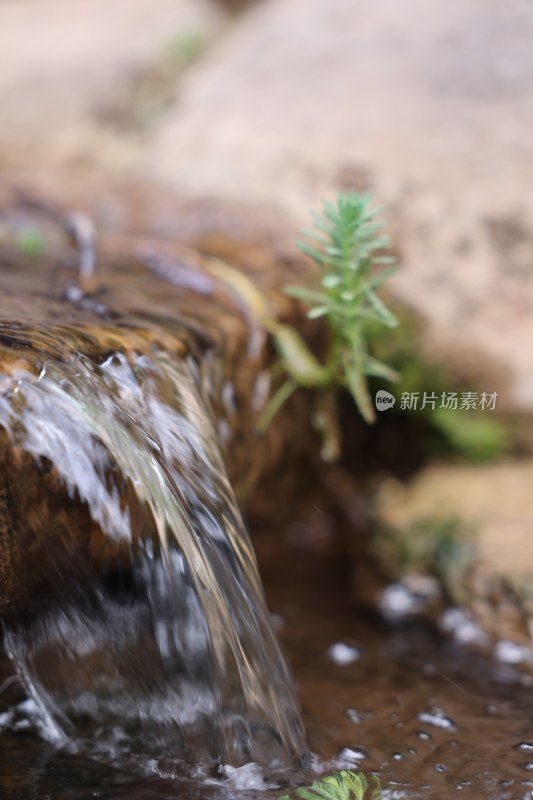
[149,302]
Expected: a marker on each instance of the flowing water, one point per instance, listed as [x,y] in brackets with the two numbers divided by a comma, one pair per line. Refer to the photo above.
[162,642]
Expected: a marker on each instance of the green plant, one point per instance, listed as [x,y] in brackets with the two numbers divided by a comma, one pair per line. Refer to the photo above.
[347,245]
[343,785]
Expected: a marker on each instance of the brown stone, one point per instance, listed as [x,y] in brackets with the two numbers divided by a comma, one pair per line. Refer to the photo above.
[151,297]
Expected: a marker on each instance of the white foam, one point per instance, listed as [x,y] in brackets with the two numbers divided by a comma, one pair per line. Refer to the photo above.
[249,776]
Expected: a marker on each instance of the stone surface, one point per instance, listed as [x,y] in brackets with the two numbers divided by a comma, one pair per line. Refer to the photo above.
[430,105]
[493,519]
[63,63]
[494,503]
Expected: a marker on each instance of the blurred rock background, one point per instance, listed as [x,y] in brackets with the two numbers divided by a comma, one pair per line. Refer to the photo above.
[281,102]
[274,104]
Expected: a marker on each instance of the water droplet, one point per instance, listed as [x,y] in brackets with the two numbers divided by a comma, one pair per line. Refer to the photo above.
[352,755]
[437,718]
[458,623]
[343,654]
[527,765]
[249,776]
[398,756]
[354,716]
[22,725]
[441,767]
[424,735]
[411,596]
[277,621]
[511,652]
[74,294]
[526,747]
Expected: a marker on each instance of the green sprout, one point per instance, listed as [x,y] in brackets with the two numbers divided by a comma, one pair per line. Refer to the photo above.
[343,785]
[347,245]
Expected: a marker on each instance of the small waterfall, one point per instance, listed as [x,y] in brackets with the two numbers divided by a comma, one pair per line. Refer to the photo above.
[146,629]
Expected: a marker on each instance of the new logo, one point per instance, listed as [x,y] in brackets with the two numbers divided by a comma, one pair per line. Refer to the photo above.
[384,400]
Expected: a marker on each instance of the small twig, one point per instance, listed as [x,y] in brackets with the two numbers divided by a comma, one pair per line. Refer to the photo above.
[80,229]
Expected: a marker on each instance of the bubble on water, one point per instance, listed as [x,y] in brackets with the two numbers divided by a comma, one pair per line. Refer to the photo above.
[249,776]
[458,623]
[424,735]
[320,766]
[512,653]
[6,720]
[148,765]
[277,622]
[437,718]
[441,768]
[526,747]
[396,600]
[527,765]
[410,596]
[73,293]
[343,654]
[350,756]
[398,756]
[28,715]
[354,716]
[22,725]
[165,769]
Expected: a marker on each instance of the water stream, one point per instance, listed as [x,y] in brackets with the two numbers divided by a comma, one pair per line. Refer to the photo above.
[157,639]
